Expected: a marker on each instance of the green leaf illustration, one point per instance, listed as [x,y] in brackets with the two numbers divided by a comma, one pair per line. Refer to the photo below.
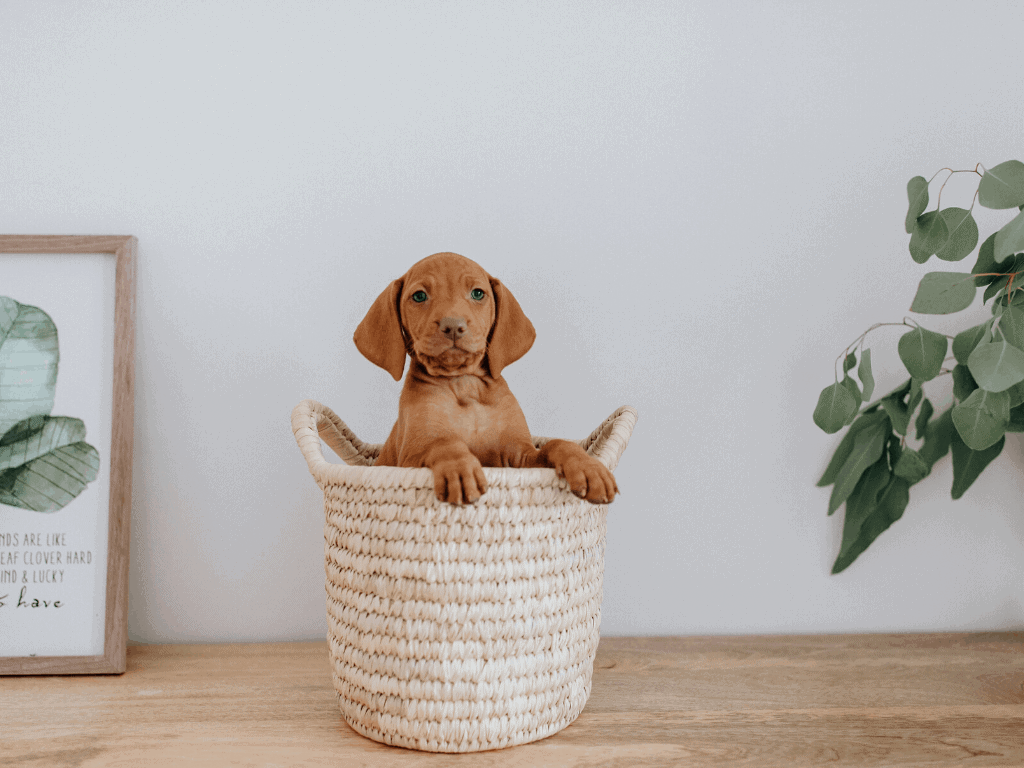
[922,351]
[48,483]
[917,193]
[28,362]
[1002,186]
[44,460]
[963,234]
[941,293]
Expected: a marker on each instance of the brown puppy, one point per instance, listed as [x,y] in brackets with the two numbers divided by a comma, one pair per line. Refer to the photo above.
[461,327]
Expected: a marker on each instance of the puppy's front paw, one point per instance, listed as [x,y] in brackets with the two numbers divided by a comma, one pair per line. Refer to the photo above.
[587,477]
[460,480]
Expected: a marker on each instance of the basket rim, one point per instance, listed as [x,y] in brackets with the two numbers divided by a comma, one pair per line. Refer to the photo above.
[312,422]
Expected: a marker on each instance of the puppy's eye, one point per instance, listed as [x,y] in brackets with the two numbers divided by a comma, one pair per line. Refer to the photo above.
[477,294]
[419,297]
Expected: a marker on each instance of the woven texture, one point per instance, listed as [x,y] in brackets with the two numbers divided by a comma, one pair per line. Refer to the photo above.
[458,628]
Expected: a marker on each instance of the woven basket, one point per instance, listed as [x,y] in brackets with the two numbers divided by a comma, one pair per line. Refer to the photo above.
[458,628]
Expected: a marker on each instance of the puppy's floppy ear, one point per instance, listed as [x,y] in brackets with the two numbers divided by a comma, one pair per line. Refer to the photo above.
[512,334]
[379,336]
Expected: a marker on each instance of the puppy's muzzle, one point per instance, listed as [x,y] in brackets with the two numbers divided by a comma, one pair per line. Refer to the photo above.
[453,327]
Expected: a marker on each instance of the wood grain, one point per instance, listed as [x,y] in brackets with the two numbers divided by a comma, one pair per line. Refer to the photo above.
[871,700]
[124,248]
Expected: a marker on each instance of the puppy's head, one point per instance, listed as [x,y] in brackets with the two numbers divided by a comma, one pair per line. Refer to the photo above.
[449,314]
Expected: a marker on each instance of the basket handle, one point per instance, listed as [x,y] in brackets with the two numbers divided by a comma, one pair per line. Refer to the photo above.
[610,439]
[313,421]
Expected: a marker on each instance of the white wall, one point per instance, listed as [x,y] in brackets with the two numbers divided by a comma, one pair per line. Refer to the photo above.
[698,205]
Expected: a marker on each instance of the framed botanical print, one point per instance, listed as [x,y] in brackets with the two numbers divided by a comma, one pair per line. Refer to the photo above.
[67,373]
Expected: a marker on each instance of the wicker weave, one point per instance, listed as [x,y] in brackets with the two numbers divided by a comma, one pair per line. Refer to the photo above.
[458,628]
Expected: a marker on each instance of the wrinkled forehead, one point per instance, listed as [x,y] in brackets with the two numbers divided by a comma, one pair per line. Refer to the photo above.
[446,268]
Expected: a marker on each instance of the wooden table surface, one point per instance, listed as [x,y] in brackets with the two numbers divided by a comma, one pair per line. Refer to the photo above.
[845,700]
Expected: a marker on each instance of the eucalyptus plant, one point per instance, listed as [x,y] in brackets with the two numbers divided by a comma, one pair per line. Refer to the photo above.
[894,441]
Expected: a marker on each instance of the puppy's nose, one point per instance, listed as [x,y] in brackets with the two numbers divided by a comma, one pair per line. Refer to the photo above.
[453,327]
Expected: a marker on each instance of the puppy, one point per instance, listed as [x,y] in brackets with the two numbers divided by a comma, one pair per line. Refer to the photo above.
[456,414]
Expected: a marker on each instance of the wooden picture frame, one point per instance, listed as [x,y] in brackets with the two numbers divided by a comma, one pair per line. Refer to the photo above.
[112,660]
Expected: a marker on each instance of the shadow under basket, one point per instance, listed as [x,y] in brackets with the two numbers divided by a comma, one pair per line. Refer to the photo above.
[458,628]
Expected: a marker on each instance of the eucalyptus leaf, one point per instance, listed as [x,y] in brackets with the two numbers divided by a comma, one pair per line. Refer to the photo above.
[925,414]
[835,406]
[1002,186]
[867,448]
[963,383]
[917,194]
[1011,323]
[942,293]
[968,463]
[986,266]
[930,234]
[1016,395]
[963,234]
[864,421]
[911,467]
[889,507]
[997,365]
[849,362]
[1016,423]
[864,374]
[937,438]
[1010,239]
[853,389]
[981,419]
[922,351]
[965,341]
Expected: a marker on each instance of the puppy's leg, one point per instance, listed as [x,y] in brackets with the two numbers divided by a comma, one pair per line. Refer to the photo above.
[587,477]
[458,474]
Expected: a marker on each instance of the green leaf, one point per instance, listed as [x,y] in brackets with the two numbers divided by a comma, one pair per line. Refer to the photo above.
[968,464]
[941,293]
[867,448]
[1010,239]
[869,521]
[1002,186]
[922,418]
[849,362]
[854,390]
[835,406]
[917,194]
[930,234]
[997,365]
[963,234]
[37,436]
[994,289]
[963,382]
[911,467]
[1016,423]
[864,374]
[1016,394]
[922,351]
[864,421]
[49,482]
[986,263]
[981,419]
[28,363]
[898,413]
[937,438]
[965,341]
[1011,323]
